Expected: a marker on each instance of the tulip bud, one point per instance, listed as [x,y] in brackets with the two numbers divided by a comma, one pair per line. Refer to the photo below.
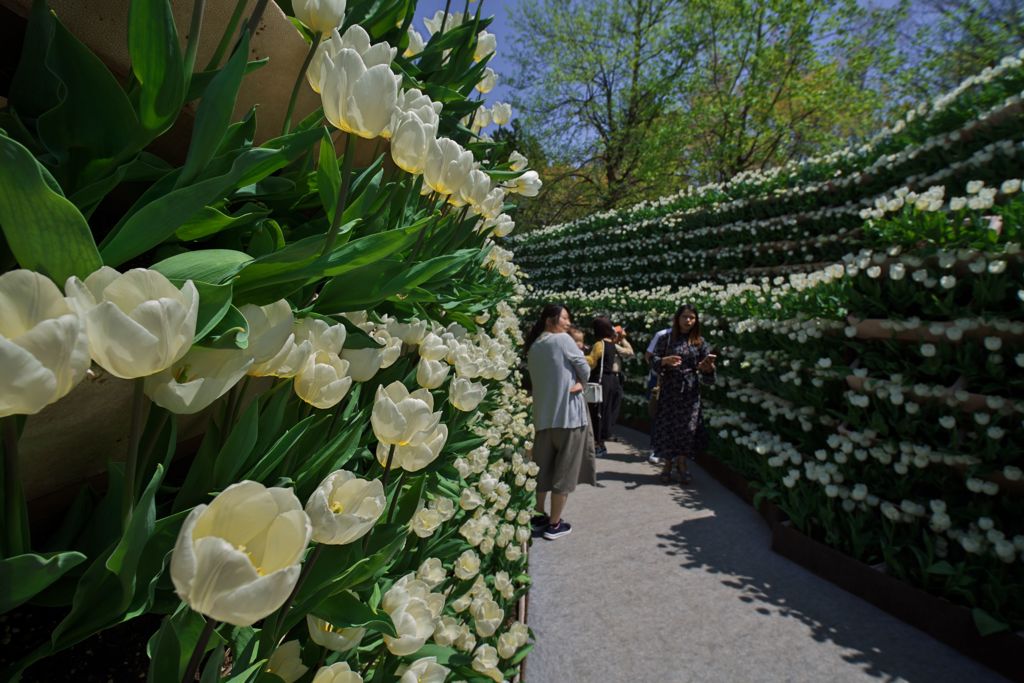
[358,99]
[486,44]
[501,113]
[44,352]
[237,559]
[466,395]
[487,81]
[430,374]
[137,323]
[448,166]
[344,508]
[321,16]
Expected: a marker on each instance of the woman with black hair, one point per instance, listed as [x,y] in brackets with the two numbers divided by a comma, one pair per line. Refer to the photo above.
[683,361]
[605,368]
[562,443]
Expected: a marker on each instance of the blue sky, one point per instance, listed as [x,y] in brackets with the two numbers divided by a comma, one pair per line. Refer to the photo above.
[501,27]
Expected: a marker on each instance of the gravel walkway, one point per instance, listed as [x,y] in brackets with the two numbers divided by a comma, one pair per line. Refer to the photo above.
[659,584]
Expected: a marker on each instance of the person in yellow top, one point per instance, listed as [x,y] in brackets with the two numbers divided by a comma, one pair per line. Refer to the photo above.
[605,360]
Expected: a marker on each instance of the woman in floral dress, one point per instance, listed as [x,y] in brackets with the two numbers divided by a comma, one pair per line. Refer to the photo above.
[683,361]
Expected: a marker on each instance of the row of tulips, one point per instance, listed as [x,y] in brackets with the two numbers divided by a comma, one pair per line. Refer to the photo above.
[341,332]
[875,399]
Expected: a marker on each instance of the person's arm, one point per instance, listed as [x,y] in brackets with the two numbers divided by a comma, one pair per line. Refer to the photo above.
[706,365]
[624,348]
[577,360]
[595,354]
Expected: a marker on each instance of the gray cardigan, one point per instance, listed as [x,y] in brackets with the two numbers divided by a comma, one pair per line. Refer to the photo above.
[555,364]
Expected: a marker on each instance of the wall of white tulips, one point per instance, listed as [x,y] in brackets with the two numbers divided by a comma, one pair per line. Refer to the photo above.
[867,311]
[330,307]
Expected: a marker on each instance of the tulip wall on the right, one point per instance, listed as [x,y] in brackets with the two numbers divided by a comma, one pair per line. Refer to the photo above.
[866,308]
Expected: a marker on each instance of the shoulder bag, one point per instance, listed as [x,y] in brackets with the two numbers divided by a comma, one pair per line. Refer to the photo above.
[593,392]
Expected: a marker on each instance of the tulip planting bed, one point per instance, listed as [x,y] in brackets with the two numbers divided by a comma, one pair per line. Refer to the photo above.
[866,307]
[317,300]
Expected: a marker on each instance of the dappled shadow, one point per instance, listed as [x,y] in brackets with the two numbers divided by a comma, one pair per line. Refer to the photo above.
[722,535]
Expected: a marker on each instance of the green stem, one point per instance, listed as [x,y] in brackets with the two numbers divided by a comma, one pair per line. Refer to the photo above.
[199,651]
[194,29]
[131,461]
[444,19]
[14,501]
[346,183]
[298,82]
[307,567]
[384,485]
[394,499]
[229,32]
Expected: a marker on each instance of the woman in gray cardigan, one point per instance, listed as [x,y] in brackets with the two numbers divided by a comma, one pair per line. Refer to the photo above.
[563,445]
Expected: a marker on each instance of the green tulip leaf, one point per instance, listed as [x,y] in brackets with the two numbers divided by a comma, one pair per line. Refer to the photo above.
[157,63]
[328,176]
[346,610]
[44,231]
[171,646]
[22,577]
[208,265]
[209,221]
[214,302]
[201,79]
[231,331]
[986,623]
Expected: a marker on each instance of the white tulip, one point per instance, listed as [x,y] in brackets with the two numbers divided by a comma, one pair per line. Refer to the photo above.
[517,161]
[416,43]
[392,350]
[413,101]
[486,44]
[476,188]
[237,559]
[449,21]
[425,670]
[323,380]
[270,328]
[502,225]
[501,113]
[197,379]
[402,417]
[487,617]
[344,507]
[467,565]
[490,208]
[425,522]
[507,646]
[321,336]
[528,184]
[414,623]
[355,38]
[410,143]
[433,348]
[415,456]
[481,118]
[430,374]
[411,332]
[44,352]
[487,81]
[137,323]
[448,166]
[431,572]
[322,16]
[363,363]
[324,634]
[485,661]
[358,99]
[340,672]
[286,663]
[466,395]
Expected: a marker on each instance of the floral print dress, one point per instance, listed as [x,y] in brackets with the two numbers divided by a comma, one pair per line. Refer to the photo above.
[679,423]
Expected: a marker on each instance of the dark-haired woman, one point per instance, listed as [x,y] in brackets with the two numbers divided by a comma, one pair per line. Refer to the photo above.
[683,360]
[562,444]
[606,366]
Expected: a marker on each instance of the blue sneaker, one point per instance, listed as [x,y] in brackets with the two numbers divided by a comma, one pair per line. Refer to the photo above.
[563,528]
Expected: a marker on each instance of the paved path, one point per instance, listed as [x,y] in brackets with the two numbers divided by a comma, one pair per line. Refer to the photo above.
[663,584]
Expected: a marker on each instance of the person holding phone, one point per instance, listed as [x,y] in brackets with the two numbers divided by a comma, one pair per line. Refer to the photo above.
[683,361]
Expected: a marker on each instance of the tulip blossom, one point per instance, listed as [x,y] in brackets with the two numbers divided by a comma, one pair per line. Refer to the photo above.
[528,184]
[286,662]
[333,638]
[413,610]
[401,417]
[481,118]
[271,336]
[197,379]
[502,225]
[467,565]
[237,559]
[416,43]
[433,348]
[430,374]
[425,670]
[485,661]
[490,208]
[501,113]
[440,18]
[487,81]
[448,166]
[363,364]
[410,143]
[337,673]
[321,16]
[44,352]
[344,508]
[466,395]
[358,99]
[137,323]
[517,161]
[476,188]
[355,38]
[323,380]
[487,617]
[508,645]
[415,456]
[486,44]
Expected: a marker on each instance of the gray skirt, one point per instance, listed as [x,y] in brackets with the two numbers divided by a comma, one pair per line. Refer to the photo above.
[565,458]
